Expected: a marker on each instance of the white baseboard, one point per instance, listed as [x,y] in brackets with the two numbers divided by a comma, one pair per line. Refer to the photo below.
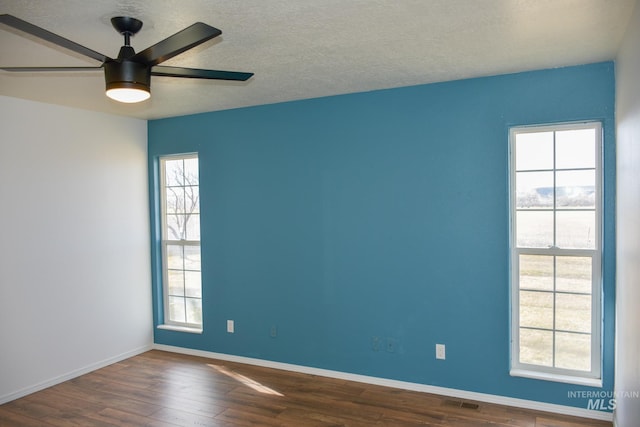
[450,392]
[73,374]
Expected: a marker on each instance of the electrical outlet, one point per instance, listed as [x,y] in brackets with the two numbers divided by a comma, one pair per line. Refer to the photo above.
[440,351]
[391,345]
[274,331]
[230,326]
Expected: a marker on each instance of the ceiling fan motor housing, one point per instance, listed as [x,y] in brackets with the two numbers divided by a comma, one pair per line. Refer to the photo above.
[127,74]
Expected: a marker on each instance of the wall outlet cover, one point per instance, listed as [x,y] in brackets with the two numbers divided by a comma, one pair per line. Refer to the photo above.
[440,351]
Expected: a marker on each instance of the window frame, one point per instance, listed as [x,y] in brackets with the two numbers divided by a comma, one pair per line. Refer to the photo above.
[167,323]
[593,377]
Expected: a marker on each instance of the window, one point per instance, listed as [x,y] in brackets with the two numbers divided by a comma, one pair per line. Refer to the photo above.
[181,265]
[556,252]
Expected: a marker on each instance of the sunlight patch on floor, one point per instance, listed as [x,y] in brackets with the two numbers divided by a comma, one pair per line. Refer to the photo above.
[245,380]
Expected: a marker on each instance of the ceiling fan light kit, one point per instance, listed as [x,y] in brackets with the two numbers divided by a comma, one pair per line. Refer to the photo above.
[128,77]
[128,95]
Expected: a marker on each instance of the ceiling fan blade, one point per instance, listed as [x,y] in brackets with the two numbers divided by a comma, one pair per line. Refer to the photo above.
[37,69]
[196,73]
[176,44]
[43,34]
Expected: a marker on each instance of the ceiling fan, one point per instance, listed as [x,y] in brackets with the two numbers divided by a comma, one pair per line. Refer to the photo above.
[128,77]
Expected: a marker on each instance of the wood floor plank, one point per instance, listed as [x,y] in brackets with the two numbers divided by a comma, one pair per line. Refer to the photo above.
[107,399]
[300,417]
[161,389]
[183,418]
[10,418]
[125,419]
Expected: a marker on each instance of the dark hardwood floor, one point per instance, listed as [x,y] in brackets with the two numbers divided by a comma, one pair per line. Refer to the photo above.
[165,389]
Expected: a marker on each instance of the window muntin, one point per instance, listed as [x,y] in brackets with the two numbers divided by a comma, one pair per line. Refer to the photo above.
[181,261]
[556,251]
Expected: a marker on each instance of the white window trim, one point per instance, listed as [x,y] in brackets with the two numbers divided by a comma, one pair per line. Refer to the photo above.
[180,329]
[594,377]
[168,324]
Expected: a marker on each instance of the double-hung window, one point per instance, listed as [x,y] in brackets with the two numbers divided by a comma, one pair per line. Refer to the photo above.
[556,242]
[181,263]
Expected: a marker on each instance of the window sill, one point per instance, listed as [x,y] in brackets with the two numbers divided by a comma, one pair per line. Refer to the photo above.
[590,382]
[176,328]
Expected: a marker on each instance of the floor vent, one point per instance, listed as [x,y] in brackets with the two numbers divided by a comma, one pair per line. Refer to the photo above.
[467,405]
[460,404]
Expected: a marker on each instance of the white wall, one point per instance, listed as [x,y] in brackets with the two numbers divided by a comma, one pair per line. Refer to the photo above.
[628,225]
[74,243]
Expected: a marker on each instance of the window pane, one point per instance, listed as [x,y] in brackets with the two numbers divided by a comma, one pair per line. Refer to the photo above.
[534,151]
[536,272]
[193,284]
[176,309]
[192,199]
[576,230]
[176,227]
[194,310]
[173,170]
[534,229]
[576,189]
[573,351]
[536,347]
[174,197]
[176,282]
[534,190]
[536,309]
[191,172]
[573,312]
[182,200]
[576,149]
[573,274]
[192,258]
[174,257]
[192,227]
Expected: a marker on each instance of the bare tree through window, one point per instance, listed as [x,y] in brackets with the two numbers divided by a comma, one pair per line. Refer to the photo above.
[182,199]
[181,241]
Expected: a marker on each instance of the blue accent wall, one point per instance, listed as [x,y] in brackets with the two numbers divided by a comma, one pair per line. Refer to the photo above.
[379,214]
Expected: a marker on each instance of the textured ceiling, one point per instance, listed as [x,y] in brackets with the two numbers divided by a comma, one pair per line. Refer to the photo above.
[307,48]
